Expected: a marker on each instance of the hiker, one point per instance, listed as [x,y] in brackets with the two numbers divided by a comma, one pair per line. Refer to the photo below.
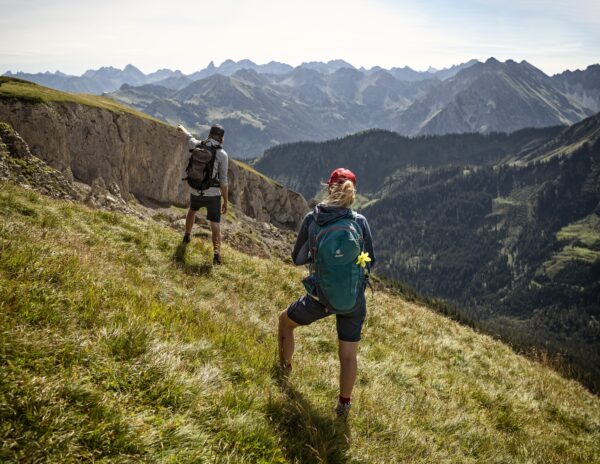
[207,192]
[332,233]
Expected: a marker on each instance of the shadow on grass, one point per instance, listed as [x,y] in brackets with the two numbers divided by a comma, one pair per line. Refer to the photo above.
[308,436]
[181,260]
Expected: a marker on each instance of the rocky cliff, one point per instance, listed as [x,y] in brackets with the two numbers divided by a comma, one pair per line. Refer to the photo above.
[18,165]
[143,157]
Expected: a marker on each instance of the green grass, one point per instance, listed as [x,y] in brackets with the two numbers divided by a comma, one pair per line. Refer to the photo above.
[565,256]
[119,345]
[249,168]
[586,231]
[580,242]
[11,88]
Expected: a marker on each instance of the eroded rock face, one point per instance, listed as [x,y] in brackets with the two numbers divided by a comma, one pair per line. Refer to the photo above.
[140,156]
[264,199]
[18,165]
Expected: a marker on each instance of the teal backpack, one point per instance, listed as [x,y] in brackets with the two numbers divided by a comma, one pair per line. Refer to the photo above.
[335,251]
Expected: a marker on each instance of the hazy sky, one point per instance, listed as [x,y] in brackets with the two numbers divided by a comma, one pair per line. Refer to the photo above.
[75,35]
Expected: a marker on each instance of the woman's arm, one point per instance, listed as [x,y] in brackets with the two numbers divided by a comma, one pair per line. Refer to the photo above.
[368,242]
[300,252]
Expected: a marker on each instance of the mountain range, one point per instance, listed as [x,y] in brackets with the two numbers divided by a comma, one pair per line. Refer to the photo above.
[263,110]
[108,78]
[505,226]
[265,105]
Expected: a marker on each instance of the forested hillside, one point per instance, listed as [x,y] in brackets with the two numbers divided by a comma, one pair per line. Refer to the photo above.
[376,154]
[518,247]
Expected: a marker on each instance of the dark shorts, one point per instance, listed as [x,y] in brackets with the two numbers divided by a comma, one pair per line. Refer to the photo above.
[212,205]
[306,310]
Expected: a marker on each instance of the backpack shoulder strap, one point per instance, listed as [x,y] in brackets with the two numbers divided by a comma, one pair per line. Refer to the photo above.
[360,229]
[313,230]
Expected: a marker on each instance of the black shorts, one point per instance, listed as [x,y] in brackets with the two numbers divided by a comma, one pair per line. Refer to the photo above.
[306,310]
[212,205]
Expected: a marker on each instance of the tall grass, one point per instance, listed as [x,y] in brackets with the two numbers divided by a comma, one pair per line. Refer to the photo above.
[118,344]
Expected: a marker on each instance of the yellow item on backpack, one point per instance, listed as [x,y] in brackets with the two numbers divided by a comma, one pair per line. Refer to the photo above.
[363,259]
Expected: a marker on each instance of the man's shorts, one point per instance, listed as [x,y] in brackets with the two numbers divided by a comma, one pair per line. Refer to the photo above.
[306,310]
[212,205]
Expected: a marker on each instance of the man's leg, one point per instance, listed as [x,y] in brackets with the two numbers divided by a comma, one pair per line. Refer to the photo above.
[286,339]
[348,366]
[215,229]
[189,221]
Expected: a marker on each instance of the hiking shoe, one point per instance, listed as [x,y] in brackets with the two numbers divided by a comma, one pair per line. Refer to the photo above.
[217,259]
[285,369]
[342,410]
[186,239]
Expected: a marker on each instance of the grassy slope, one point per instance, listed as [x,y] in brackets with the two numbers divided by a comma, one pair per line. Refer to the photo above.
[118,345]
[580,242]
[28,91]
[249,168]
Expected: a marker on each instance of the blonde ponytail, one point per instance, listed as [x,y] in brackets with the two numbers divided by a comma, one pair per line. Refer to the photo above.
[341,194]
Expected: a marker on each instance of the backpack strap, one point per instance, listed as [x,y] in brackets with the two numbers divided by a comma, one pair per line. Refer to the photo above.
[211,164]
[313,231]
[214,181]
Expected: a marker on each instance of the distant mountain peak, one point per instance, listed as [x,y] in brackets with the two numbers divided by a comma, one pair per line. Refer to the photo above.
[329,67]
[343,63]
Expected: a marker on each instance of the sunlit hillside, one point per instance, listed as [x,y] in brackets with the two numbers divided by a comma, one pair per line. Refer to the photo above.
[119,345]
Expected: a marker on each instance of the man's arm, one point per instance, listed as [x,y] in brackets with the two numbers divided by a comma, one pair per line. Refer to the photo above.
[192,142]
[225,195]
[223,168]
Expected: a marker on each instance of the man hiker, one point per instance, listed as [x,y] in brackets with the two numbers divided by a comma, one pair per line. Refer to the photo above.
[336,242]
[211,193]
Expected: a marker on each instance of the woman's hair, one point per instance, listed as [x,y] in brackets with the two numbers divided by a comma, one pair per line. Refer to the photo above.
[341,194]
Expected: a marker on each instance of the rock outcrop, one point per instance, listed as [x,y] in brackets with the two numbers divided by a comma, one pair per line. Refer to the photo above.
[139,155]
[264,199]
[18,165]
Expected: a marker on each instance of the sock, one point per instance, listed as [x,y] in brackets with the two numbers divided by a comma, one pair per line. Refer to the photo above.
[344,400]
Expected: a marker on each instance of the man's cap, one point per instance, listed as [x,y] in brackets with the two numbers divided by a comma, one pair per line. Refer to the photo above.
[217,130]
[340,175]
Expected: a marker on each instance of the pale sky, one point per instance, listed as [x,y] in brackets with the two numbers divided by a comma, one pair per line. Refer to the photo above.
[75,35]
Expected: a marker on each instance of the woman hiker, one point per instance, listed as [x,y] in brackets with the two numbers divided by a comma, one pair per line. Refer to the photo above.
[336,242]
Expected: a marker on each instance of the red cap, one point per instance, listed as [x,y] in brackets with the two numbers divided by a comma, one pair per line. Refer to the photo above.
[340,175]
